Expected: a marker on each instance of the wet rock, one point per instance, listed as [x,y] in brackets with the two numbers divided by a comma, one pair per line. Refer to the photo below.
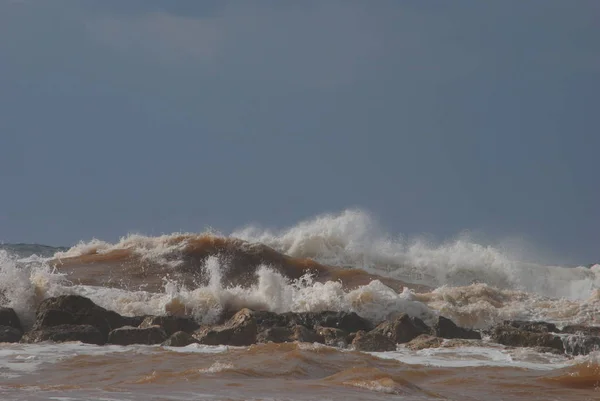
[53,317]
[548,350]
[446,328]
[511,336]
[332,336]
[402,329]
[180,339]
[424,341]
[83,310]
[9,318]
[171,324]
[134,335]
[240,330]
[304,335]
[582,330]
[581,345]
[535,327]
[276,334]
[347,321]
[372,342]
[9,334]
[65,332]
[266,319]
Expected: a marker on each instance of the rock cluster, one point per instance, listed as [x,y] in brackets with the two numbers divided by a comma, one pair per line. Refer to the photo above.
[76,318]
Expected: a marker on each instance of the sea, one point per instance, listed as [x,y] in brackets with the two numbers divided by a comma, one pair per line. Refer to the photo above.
[339,262]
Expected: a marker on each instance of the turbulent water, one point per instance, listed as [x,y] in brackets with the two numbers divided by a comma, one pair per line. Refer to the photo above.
[333,262]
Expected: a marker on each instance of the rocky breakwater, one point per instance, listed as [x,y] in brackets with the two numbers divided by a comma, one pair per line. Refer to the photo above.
[76,318]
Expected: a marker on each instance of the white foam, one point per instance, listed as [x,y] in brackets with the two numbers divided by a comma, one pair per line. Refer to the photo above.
[353,238]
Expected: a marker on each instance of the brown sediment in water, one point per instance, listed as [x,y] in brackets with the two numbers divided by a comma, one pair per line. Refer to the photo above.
[303,370]
[135,267]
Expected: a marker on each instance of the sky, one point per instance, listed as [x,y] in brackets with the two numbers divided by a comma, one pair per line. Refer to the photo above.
[436,117]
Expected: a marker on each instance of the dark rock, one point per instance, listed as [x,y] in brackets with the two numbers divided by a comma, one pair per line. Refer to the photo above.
[581,345]
[304,335]
[276,334]
[8,317]
[508,335]
[372,342]
[402,329]
[265,319]
[240,330]
[180,339]
[332,336]
[9,334]
[83,310]
[134,335]
[535,327]
[347,321]
[280,334]
[65,332]
[171,324]
[53,317]
[446,328]
[424,341]
[582,330]
[548,350]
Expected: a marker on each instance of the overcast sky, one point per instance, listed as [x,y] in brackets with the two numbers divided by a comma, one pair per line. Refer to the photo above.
[435,116]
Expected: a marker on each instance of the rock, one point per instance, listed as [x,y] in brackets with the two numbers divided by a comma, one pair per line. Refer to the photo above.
[548,350]
[9,334]
[171,324]
[424,341]
[265,319]
[332,336]
[287,334]
[65,332]
[581,345]
[372,342]
[240,330]
[83,310]
[276,334]
[508,335]
[446,328]
[9,318]
[582,330]
[180,339]
[535,327]
[53,317]
[347,321]
[134,335]
[402,329]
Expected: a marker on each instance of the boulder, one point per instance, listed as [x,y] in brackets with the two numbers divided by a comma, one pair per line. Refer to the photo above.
[266,319]
[372,342]
[535,327]
[65,332]
[9,334]
[511,336]
[134,335]
[304,335]
[332,336]
[240,330]
[171,324]
[581,345]
[83,311]
[582,330]
[446,328]
[424,341]
[53,317]
[402,329]
[275,334]
[180,339]
[9,318]
[347,321]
